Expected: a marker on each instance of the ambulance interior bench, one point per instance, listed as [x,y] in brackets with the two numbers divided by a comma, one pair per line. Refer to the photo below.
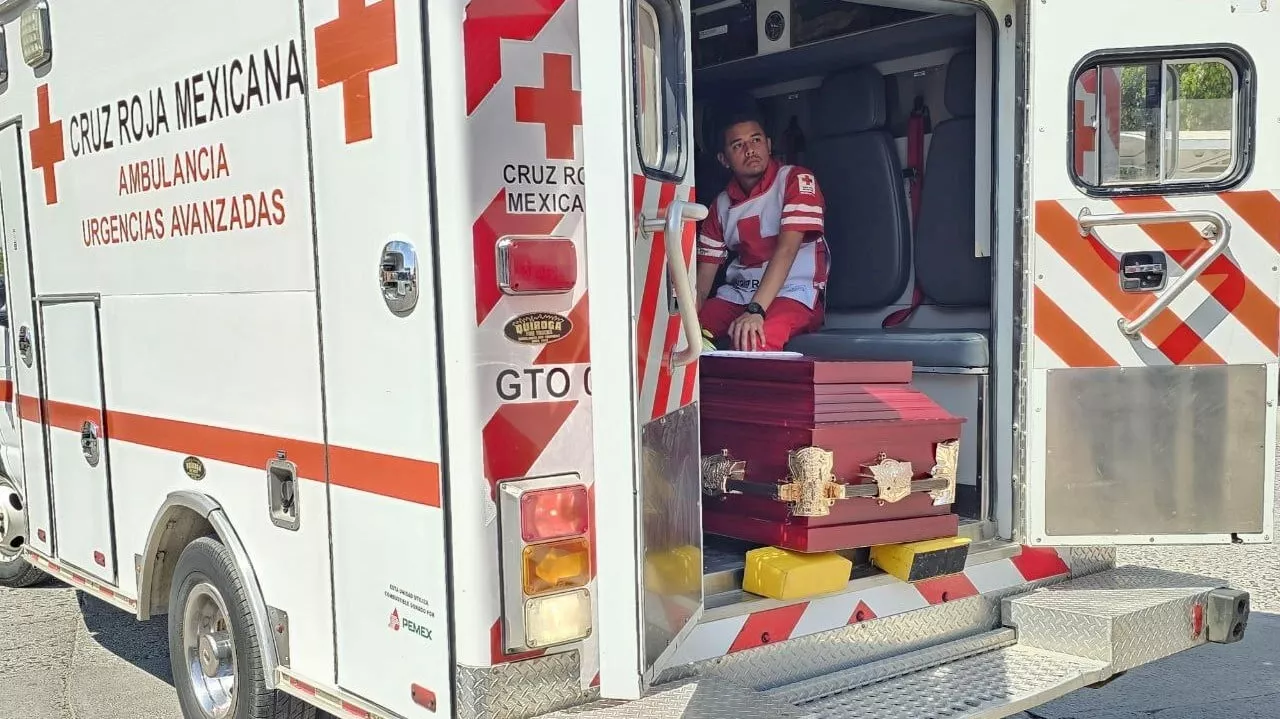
[812,460]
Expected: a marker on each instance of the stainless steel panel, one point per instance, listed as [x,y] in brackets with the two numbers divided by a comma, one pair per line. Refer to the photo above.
[1090,560]
[671,528]
[994,684]
[892,668]
[700,699]
[1155,450]
[1125,617]
[518,690]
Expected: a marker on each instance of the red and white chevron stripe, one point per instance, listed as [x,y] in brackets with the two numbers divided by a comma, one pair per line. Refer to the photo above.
[661,390]
[1229,316]
[777,624]
[514,53]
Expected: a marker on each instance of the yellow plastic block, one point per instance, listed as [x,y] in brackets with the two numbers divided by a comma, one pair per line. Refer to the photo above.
[782,574]
[673,572]
[916,561]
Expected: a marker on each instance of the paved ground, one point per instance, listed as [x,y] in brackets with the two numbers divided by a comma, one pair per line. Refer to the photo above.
[66,656]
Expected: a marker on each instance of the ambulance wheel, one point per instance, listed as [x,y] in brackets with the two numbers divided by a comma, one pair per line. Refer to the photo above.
[15,572]
[213,648]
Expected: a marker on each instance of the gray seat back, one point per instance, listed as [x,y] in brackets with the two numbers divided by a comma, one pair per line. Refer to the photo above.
[857,167]
[946,268]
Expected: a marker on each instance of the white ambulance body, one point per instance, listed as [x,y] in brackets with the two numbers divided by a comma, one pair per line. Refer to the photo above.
[300,352]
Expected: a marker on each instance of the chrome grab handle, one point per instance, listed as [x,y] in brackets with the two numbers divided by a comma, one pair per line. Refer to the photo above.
[671,224]
[1218,238]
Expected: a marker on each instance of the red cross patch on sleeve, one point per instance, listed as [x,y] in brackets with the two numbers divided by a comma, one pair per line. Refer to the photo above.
[806,184]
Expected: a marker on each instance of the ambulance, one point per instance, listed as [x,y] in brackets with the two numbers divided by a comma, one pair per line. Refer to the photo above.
[359,339]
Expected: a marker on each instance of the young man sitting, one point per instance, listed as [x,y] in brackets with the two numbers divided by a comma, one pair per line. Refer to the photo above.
[771,216]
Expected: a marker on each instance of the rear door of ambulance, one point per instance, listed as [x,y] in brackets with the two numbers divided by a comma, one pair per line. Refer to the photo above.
[1155,271]
[645,338]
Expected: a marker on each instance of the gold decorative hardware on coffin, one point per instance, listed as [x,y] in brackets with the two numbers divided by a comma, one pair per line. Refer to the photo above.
[813,488]
[720,469]
[946,459]
[892,477]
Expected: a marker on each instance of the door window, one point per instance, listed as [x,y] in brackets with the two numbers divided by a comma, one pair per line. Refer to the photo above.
[660,91]
[1176,122]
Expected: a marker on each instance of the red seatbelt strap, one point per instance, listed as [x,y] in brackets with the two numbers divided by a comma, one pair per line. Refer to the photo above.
[916,127]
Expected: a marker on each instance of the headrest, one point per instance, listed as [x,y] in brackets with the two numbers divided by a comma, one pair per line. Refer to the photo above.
[962,84]
[716,112]
[849,102]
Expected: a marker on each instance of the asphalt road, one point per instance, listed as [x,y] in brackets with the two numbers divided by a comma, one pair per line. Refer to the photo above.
[66,656]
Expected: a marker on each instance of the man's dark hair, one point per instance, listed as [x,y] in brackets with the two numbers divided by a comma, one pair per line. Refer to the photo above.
[737,118]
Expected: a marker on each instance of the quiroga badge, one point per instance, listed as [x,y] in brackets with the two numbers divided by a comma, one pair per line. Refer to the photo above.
[538,328]
[194,468]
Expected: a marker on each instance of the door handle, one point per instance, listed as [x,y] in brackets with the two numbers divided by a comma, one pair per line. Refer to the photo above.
[89,442]
[25,347]
[398,277]
[671,225]
[1219,237]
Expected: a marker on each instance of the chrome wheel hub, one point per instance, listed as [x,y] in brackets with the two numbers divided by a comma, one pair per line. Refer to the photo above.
[215,654]
[13,522]
[210,651]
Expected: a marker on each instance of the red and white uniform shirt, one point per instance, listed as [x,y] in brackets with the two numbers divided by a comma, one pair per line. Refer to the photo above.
[786,198]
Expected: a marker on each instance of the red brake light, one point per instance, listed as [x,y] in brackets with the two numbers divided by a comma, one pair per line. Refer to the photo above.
[554,513]
[537,265]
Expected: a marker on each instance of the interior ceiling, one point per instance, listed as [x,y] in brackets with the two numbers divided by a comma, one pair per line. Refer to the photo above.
[913,37]
[944,7]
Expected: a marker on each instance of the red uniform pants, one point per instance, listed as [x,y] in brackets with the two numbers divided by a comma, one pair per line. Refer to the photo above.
[784,319]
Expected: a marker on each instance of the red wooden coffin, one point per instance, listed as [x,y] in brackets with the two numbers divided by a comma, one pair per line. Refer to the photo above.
[762,409]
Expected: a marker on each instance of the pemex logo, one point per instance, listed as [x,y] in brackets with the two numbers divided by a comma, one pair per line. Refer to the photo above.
[395,620]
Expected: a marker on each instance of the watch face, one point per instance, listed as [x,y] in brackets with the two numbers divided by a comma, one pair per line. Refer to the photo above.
[774,24]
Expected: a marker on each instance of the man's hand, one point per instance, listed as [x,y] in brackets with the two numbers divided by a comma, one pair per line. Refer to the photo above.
[747,332]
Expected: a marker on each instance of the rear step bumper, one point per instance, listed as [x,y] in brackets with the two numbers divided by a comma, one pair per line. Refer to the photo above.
[1056,639]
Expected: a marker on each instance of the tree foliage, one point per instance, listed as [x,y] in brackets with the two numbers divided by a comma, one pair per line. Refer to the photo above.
[1203,95]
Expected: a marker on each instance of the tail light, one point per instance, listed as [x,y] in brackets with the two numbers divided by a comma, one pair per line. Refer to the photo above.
[556,565]
[553,513]
[545,528]
[537,265]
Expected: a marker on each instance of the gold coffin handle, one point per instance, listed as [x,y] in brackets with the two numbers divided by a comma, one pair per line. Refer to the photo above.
[812,488]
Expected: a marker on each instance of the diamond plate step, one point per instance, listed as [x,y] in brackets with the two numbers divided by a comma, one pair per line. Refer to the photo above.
[705,698]
[987,686]
[1125,617]
[1057,639]
[861,675]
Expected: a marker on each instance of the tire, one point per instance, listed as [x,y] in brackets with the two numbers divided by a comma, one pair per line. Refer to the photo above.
[18,573]
[208,600]
[15,572]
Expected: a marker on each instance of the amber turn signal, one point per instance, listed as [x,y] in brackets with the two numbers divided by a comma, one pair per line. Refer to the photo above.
[556,566]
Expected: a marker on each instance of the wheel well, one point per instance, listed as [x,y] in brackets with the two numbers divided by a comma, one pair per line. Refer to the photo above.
[185,517]
[177,527]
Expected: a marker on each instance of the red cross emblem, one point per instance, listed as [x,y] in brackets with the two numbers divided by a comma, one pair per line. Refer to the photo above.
[556,105]
[360,41]
[47,149]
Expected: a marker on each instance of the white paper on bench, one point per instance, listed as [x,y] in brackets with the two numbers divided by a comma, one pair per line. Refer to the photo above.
[756,355]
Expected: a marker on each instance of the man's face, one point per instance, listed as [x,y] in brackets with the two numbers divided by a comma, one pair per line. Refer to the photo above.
[746,150]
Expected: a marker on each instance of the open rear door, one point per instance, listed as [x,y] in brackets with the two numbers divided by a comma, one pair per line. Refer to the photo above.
[1153,281]
[645,337]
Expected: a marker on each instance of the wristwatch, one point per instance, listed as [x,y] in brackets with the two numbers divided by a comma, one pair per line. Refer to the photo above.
[754,308]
